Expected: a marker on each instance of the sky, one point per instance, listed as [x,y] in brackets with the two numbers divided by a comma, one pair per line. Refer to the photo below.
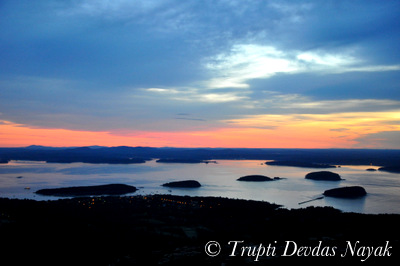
[198,73]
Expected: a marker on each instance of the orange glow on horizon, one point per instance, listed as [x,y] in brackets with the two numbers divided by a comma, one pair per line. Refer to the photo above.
[260,131]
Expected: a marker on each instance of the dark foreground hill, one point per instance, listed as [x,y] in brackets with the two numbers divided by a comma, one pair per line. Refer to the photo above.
[173,230]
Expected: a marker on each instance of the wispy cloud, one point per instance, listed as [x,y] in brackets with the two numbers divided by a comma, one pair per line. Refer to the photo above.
[112,9]
[198,95]
[340,106]
[190,119]
[245,62]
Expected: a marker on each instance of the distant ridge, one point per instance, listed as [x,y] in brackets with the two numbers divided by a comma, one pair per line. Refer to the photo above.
[315,158]
[39,147]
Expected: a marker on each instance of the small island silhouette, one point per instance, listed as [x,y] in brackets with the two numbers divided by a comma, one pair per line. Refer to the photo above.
[323,175]
[346,192]
[183,184]
[110,189]
[256,178]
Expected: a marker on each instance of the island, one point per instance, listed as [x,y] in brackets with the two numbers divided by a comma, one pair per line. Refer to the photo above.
[371,170]
[183,184]
[301,164]
[391,169]
[256,178]
[109,189]
[169,160]
[323,175]
[346,192]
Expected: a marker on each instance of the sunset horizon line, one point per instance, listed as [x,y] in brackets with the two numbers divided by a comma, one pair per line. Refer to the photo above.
[33,146]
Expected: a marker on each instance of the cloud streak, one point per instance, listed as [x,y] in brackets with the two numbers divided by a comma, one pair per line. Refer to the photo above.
[246,62]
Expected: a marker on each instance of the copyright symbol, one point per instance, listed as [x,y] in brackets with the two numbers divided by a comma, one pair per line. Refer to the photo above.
[212,248]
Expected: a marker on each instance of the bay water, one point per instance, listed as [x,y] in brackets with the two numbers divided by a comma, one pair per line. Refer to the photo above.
[20,179]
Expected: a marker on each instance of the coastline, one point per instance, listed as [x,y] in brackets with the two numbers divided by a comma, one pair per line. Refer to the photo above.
[172,230]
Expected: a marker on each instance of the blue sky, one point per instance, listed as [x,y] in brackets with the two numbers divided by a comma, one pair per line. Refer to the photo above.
[190,66]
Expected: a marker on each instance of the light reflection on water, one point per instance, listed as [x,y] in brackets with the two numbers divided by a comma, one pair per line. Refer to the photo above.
[217,180]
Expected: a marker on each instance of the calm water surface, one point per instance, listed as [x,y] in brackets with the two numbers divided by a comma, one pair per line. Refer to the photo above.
[217,180]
